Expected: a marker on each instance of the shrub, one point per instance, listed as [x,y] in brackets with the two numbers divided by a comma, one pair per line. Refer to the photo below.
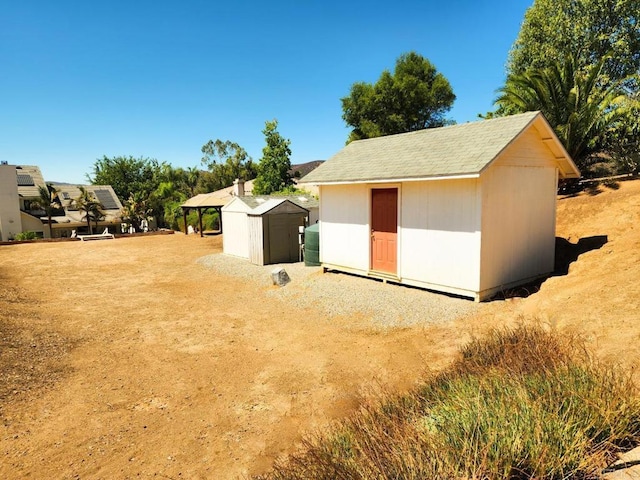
[26,236]
[210,221]
[520,403]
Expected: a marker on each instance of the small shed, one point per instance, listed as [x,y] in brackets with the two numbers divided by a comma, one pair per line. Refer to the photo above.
[265,230]
[466,209]
[274,230]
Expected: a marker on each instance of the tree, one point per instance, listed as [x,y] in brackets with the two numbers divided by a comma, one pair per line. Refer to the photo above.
[127,175]
[49,202]
[623,143]
[581,109]
[415,96]
[92,208]
[135,209]
[140,178]
[191,180]
[96,212]
[591,50]
[589,29]
[274,166]
[227,161]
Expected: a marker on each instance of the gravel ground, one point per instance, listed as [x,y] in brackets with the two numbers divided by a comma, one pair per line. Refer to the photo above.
[386,305]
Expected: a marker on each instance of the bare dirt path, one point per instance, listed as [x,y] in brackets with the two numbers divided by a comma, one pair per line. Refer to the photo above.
[127,359]
[164,368]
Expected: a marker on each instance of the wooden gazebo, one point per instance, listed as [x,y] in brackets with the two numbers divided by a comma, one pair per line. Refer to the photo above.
[202,203]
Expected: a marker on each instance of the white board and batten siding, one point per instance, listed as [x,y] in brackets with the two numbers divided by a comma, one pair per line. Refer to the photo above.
[518,221]
[236,228]
[438,220]
[439,228]
[344,226]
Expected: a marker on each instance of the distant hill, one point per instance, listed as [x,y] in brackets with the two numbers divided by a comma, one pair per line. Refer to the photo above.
[301,169]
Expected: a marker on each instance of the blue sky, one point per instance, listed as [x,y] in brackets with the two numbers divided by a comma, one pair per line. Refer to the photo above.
[82,79]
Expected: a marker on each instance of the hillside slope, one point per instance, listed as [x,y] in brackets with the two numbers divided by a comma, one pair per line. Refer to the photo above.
[600,295]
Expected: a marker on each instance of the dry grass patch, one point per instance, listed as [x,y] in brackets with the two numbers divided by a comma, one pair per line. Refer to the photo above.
[520,403]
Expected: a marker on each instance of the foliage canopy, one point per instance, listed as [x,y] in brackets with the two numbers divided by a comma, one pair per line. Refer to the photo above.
[590,29]
[147,187]
[581,110]
[578,61]
[415,96]
[273,170]
[226,161]
[127,175]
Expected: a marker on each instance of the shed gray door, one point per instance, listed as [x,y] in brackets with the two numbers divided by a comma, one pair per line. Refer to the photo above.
[283,237]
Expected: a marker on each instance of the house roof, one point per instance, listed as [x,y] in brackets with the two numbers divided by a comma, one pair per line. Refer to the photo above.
[218,198]
[304,168]
[104,193]
[227,192]
[463,150]
[204,200]
[29,178]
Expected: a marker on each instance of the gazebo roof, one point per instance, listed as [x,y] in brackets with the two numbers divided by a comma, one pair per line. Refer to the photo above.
[205,200]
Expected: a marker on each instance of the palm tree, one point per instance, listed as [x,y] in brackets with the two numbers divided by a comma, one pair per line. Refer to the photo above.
[92,208]
[96,212]
[136,209]
[49,202]
[192,176]
[580,106]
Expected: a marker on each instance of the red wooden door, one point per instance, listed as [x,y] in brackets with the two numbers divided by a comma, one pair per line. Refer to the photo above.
[384,229]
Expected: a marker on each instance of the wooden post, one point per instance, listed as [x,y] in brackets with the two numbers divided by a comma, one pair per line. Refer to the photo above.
[200,220]
[184,216]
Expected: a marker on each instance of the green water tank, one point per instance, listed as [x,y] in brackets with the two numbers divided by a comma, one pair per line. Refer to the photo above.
[312,246]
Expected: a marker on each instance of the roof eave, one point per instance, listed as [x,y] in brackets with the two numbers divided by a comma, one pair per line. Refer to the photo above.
[398,180]
[566,166]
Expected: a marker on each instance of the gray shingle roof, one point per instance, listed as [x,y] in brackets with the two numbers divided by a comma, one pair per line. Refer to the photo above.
[457,150]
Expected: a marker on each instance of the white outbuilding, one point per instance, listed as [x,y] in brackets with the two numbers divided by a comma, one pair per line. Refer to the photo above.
[266,229]
[467,209]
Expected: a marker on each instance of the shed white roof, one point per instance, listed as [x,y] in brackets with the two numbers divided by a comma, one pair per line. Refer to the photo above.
[274,203]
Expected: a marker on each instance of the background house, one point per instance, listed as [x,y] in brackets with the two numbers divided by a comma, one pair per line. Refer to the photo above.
[300,170]
[73,219]
[19,193]
[466,209]
[19,188]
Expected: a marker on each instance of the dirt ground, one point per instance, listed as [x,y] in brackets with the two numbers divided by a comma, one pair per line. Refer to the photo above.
[127,359]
